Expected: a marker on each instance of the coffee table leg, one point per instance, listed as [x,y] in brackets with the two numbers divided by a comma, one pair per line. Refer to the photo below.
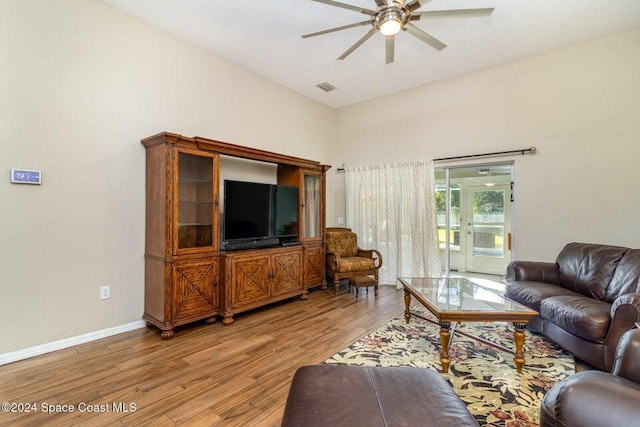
[445,337]
[518,336]
[407,303]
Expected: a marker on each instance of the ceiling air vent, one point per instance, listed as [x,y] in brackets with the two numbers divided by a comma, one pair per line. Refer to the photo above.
[326,86]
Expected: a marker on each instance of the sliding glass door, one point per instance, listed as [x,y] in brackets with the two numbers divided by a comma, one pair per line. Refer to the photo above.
[474,205]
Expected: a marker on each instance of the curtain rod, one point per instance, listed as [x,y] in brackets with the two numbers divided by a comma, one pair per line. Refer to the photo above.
[497,153]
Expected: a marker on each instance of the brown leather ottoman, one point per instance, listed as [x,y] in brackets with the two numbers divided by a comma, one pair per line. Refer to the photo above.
[324,395]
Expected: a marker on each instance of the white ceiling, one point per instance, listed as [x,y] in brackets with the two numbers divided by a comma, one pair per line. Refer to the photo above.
[265,36]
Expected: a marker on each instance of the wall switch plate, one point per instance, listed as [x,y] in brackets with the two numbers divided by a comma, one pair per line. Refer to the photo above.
[26,176]
[105,292]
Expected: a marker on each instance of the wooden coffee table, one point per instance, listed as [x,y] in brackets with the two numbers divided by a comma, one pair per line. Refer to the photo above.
[454,300]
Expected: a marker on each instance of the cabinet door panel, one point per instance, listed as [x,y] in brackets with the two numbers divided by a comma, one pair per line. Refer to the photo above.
[250,280]
[313,206]
[287,269]
[315,266]
[195,204]
[194,290]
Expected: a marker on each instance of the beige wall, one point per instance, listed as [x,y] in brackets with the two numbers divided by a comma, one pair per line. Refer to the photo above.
[80,85]
[578,105]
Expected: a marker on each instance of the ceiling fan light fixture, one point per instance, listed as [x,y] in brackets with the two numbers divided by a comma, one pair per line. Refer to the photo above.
[390,21]
[390,27]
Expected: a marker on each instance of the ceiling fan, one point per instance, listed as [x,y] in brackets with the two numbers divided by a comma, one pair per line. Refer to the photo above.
[390,18]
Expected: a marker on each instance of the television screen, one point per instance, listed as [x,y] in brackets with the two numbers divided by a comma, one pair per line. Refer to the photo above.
[286,211]
[257,211]
[247,210]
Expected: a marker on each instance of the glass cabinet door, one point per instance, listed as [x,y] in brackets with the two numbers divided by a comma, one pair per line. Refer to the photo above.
[196,201]
[312,205]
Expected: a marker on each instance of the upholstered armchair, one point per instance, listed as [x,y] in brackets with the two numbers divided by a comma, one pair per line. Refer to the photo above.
[346,260]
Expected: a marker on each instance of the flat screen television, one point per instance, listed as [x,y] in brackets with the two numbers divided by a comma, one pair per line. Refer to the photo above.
[255,211]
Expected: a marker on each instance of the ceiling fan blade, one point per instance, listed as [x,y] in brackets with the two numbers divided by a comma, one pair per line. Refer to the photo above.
[381,2]
[427,38]
[454,13]
[346,6]
[358,43]
[399,2]
[416,4]
[331,30]
[390,48]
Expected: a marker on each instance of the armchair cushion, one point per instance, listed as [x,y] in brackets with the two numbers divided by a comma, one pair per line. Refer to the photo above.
[343,243]
[356,263]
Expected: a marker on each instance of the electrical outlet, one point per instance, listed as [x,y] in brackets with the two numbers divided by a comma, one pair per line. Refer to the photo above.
[340,220]
[105,292]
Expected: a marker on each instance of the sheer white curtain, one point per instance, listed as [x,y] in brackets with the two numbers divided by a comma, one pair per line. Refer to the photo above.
[392,209]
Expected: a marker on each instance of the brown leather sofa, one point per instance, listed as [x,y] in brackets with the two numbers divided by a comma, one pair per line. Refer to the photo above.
[599,399]
[587,299]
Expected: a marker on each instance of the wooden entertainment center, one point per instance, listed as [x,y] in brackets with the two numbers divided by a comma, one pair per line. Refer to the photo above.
[188,277]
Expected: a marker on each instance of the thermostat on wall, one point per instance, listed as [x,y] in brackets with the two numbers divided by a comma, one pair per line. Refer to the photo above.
[26,176]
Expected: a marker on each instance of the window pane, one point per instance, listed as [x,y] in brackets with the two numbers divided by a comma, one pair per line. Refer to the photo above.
[488,206]
[441,215]
[488,240]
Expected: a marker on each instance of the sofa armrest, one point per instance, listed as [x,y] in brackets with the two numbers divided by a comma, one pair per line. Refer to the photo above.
[369,253]
[535,271]
[592,398]
[625,312]
[627,355]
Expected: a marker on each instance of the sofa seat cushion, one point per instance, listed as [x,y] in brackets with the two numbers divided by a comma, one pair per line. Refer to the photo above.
[531,294]
[356,263]
[581,316]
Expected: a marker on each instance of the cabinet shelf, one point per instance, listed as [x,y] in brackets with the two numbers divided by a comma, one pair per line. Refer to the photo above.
[195,180]
[197,202]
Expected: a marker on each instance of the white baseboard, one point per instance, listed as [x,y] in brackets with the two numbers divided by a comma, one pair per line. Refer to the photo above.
[38,350]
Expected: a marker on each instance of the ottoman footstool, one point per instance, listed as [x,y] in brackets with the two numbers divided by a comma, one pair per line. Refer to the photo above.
[324,395]
[363,281]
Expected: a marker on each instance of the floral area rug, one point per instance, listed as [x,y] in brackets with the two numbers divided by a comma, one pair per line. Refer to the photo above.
[482,374]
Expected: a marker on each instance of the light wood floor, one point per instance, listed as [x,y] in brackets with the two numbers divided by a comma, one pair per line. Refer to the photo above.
[208,375]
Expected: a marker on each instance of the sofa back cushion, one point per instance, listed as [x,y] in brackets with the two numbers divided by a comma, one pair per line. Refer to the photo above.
[588,268]
[626,279]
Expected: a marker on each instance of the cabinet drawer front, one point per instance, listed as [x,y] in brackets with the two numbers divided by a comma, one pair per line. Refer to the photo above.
[287,269]
[195,293]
